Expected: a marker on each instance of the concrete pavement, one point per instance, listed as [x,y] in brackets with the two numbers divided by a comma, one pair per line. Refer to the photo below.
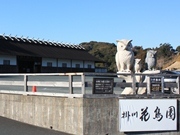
[12,127]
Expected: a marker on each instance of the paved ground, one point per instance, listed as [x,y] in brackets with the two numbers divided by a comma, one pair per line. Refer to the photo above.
[11,127]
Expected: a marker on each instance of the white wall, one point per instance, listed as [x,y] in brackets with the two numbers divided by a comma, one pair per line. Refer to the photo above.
[11,58]
[68,62]
[86,63]
[100,70]
[74,62]
[60,61]
[45,60]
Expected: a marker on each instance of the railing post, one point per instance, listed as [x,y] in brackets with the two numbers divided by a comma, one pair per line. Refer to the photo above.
[71,84]
[25,83]
[83,83]
[134,84]
[178,84]
[148,84]
[162,84]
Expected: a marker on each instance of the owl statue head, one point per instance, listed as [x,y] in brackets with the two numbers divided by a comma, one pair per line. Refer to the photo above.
[151,54]
[124,44]
[137,61]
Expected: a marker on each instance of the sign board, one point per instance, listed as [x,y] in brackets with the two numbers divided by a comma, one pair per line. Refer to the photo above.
[156,83]
[147,115]
[103,85]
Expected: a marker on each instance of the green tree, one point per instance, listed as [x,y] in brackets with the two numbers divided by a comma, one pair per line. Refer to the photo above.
[178,49]
[104,51]
[165,50]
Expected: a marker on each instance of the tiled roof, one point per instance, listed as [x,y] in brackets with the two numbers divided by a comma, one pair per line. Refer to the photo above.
[39,48]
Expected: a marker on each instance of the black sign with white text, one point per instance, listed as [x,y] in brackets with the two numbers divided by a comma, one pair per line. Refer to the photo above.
[103,85]
[156,83]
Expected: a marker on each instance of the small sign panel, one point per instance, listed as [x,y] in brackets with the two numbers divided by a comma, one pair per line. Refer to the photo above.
[156,83]
[103,85]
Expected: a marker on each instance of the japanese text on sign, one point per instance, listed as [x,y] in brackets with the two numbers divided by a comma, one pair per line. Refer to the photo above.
[148,115]
[103,85]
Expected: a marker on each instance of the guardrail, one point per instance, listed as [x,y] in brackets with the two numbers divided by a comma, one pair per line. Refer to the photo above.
[82,83]
[25,82]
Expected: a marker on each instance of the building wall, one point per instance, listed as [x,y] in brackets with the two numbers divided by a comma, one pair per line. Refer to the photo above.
[71,65]
[101,70]
[61,61]
[74,62]
[6,57]
[57,65]
[86,63]
[46,60]
[12,68]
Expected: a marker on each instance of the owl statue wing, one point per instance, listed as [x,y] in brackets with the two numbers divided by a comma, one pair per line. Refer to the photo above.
[146,60]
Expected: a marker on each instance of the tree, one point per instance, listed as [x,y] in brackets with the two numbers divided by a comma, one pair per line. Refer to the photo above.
[165,50]
[104,51]
[178,49]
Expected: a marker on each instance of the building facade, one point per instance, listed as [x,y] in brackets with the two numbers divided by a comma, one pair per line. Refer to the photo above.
[23,55]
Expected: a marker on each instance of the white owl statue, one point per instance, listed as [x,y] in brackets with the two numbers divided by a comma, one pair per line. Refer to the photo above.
[124,56]
[151,59]
[137,65]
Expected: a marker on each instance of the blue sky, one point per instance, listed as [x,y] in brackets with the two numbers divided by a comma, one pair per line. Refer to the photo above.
[147,22]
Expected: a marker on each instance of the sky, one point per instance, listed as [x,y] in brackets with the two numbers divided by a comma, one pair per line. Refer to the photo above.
[147,22]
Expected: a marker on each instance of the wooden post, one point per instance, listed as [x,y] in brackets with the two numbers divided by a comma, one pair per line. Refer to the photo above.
[25,83]
[70,84]
[83,84]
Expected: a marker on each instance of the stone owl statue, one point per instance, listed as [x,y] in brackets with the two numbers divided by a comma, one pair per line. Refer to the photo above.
[151,59]
[124,56]
[137,65]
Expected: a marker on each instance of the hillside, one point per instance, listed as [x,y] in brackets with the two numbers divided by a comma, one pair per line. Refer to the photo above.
[103,51]
[106,52]
[174,64]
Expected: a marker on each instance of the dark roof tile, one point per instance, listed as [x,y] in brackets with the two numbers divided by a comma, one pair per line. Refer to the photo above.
[30,47]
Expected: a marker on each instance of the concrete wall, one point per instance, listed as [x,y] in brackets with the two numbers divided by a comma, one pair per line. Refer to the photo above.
[100,116]
[63,114]
[80,116]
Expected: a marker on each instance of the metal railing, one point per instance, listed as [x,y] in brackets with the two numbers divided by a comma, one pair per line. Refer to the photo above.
[81,83]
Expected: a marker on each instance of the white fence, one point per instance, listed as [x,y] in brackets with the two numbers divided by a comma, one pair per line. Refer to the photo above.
[69,83]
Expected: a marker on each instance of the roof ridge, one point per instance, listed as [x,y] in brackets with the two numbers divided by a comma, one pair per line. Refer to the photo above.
[37,41]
